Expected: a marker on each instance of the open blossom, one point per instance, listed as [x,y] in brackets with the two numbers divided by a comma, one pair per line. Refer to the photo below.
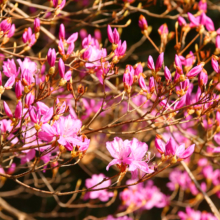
[65,130]
[128,154]
[102,195]
[195,215]
[144,195]
[172,149]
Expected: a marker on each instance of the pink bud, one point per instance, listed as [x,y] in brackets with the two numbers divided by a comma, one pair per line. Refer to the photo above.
[163,29]
[61,68]
[83,33]
[116,36]
[202,5]
[98,35]
[194,71]
[151,84]
[138,69]
[61,47]
[181,21]
[110,34]
[150,63]
[167,74]
[5,25]
[18,89]
[51,57]
[7,110]
[160,146]
[159,62]
[214,63]
[217,42]
[171,147]
[203,78]
[18,110]
[29,99]
[62,32]
[128,77]
[142,22]
[113,36]
[36,25]
[178,64]
[142,83]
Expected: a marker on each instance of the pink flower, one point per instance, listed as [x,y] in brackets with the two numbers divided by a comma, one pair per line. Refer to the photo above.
[10,69]
[202,5]
[128,154]
[65,130]
[128,77]
[172,149]
[103,195]
[28,37]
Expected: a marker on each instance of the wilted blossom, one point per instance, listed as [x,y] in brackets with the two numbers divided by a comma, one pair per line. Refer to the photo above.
[102,195]
[128,154]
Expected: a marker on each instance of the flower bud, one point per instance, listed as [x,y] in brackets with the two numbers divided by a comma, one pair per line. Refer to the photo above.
[167,74]
[142,23]
[36,25]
